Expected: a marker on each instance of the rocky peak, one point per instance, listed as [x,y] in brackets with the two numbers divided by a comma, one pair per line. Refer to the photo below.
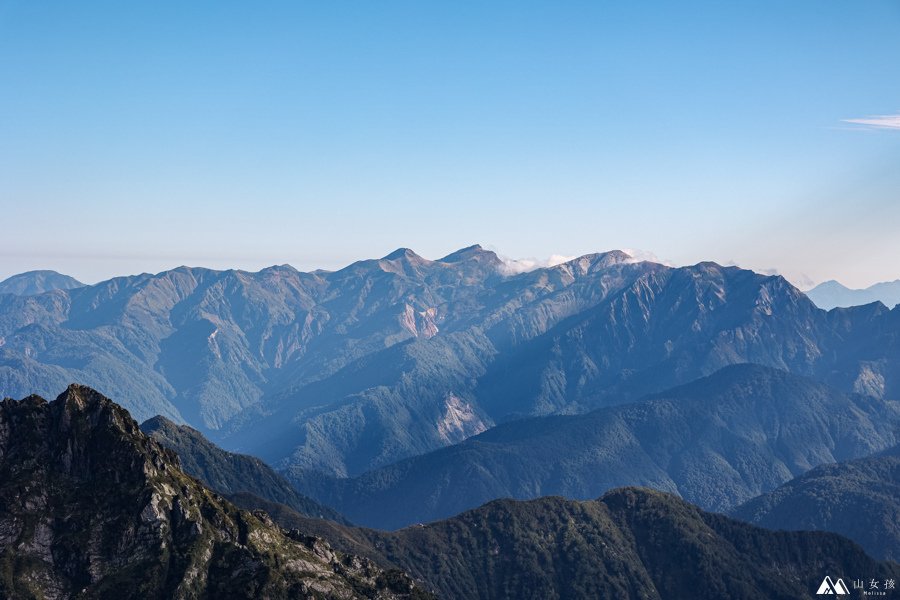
[404,254]
[95,508]
[590,263]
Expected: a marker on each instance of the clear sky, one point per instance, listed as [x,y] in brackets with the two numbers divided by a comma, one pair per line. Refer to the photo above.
[137,136]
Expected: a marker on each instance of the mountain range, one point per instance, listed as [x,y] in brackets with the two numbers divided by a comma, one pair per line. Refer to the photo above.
[94,508]
[348,371]
[855,498]
[832,294]
[716,442]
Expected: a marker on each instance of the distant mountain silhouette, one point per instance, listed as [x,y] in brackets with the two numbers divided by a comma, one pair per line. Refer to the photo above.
[832,294]
[717,442]
[385,359]
[38,282]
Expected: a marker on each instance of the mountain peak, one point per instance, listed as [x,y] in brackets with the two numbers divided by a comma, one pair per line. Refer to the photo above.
[403,253]
[611,258]
[82,397]
[121,486]
[158,423]
[832,284]
[473,252]
[32,283]
[597,261]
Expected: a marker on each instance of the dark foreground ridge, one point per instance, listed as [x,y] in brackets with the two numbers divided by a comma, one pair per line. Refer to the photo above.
[632,543]
[90,507]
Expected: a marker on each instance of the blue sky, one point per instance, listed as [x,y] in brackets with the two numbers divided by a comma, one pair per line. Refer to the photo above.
[142,135]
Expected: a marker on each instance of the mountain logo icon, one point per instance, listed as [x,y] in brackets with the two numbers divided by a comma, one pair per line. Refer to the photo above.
[830,587]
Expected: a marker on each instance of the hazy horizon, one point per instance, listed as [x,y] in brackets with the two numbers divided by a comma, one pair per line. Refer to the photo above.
[515,265]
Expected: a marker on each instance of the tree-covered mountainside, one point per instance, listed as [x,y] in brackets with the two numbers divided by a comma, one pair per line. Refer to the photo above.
[859,499]
[229,473]
[37,282]
[354,369]
[631,543]
[90,507]
[717,442]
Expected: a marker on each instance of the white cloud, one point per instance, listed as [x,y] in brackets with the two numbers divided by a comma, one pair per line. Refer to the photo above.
[878,122]
[514,266]
[646,256]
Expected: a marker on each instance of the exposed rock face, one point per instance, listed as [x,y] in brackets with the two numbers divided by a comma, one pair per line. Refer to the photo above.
[228,473]
[91,507]
[460,421]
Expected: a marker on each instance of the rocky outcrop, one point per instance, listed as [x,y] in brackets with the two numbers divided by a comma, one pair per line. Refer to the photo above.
[90,507]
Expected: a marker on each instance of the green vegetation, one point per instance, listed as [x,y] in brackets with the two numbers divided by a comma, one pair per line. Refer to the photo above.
[632,543]
[859,499]
[716,442]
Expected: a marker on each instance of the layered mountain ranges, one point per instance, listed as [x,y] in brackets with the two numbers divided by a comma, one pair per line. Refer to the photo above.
[832,294]
[94,508]
[348,371]
[503,549]
[859,499]
[716,442]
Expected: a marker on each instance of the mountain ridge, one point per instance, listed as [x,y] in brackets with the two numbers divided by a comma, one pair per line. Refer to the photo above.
[717,441]
[858,499]
[354,369]
[228,473]
[99,509]
[630,543]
